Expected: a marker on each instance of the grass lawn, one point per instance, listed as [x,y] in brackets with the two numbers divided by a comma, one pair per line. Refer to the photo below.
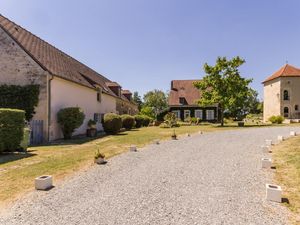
[17,171]
[286,158]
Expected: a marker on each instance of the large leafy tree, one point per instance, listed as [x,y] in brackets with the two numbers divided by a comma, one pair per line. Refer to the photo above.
[156,100]
[224,85]
[138,100]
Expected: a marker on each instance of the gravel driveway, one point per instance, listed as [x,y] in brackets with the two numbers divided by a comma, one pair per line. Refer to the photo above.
[213,178]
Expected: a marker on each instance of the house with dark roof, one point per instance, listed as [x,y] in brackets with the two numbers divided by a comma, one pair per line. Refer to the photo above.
[63,81]
[183,99]
[282,93]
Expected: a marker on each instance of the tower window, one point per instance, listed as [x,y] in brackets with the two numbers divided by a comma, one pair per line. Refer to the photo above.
[286,95]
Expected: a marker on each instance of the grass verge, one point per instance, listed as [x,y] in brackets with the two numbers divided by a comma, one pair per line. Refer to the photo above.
[286,158]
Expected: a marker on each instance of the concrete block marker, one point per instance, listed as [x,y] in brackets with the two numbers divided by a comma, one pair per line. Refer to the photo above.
[280,138]
[156,142]
[200,132]
[266,163]
[133,148]
[292,133]
[269,142]
[43,182]
[266,149]
[188,135]
[273,193]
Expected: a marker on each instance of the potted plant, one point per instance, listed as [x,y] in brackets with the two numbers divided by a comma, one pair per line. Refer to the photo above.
[99,157]
[174,136]
[91,131]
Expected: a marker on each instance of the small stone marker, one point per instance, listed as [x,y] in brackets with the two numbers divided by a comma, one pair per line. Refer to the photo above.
[292,133]
[43,182]
[133,148]
[188,135]
[266,163]
[269,142]
[156,142]
[273,193]
[280,138]
[200,132]
[265,149]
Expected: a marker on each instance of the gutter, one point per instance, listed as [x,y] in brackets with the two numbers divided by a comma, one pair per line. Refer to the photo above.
[49,105]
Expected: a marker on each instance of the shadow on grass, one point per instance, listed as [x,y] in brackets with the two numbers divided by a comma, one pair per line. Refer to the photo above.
[14,156]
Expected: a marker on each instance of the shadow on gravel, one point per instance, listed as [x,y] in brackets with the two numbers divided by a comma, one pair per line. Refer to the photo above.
[285,200]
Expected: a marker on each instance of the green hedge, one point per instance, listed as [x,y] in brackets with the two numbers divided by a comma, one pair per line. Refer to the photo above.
[276,119]
[112,123]
[12,123]
[128,121]
[20,97]
[70,119]
[138,121]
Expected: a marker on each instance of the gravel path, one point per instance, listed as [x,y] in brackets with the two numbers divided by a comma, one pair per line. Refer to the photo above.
[214,178]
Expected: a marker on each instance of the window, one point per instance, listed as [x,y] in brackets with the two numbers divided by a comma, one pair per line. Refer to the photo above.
[99,94]
[98,117]
[286,95]
[187,114]
[182,101]
[177,113]
[296,107]
[286,112]
[210,114]
[199,113]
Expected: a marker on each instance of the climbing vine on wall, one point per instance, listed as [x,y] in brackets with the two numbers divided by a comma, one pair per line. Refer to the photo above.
[20,97]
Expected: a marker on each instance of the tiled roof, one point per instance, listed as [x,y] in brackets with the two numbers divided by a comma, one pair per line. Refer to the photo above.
[185,89]
[112,84]
[52,59]
[285,71]
[126,92]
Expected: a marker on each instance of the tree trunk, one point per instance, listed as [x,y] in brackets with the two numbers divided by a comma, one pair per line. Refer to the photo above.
[222,117]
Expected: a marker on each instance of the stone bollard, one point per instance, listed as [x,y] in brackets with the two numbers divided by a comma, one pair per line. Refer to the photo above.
[269,142]
[266,163]
[43,182]
[292,133]
[273,193]
[266,149]
[280,138]
[133,148]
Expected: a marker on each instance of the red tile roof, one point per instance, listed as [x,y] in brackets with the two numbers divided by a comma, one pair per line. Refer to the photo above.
[52,59]
[185,89]
[285,71]
[126,92]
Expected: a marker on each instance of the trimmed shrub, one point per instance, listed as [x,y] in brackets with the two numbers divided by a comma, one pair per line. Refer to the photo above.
[146,121]
[112,123]
[276,119]
[170,119]
[138,121]
[12,123]
[70,119]
[128,121]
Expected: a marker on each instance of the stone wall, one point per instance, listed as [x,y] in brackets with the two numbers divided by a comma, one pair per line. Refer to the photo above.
[18,68]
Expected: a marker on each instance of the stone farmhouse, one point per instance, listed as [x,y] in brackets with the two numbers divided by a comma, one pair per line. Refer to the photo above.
[63,81]
[282,93]
[183,102]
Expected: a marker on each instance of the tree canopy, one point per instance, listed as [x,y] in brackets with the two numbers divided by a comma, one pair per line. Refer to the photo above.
[155,100]
[224,85]
[138,100]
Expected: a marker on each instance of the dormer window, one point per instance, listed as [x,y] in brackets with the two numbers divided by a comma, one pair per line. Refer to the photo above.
[182,101]
[286,95]
[99,94]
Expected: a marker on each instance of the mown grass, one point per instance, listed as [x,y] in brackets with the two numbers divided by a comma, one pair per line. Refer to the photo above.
[62,158]
[286,158]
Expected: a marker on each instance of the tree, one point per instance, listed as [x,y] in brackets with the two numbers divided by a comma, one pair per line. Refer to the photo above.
[148,111]
[223,85]
[138,100]
[156,100]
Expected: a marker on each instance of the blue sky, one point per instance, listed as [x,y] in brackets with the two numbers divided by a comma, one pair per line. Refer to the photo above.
[144,44]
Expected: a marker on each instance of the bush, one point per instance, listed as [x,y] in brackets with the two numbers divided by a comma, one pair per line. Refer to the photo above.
[128,121]
[146,120]
[276,119]
[70,119]
[171,120]
[138,121]
[12,123]
[160,116]
[164,125]
[112,123]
